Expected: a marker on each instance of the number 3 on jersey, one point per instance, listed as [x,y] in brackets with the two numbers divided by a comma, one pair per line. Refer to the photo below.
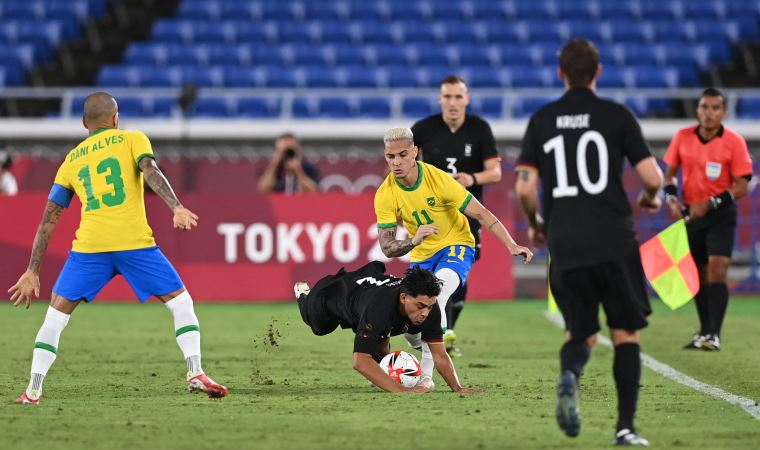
[113,178]
[563,188]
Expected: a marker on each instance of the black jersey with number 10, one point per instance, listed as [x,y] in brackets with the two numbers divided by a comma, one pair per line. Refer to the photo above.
[579,145]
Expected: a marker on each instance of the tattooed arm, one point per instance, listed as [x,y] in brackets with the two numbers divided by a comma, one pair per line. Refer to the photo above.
[184,219]
[393,247]
[28,286]
[527,195]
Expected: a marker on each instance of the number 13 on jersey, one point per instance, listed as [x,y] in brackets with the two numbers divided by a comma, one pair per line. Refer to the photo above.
[112,166]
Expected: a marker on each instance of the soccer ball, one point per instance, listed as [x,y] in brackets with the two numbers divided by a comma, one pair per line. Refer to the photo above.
[402,367]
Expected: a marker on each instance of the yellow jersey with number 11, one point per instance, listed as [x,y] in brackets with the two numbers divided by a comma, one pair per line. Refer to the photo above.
[436,199]
[103,171]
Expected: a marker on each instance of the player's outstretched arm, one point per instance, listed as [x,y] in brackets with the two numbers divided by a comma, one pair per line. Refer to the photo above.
[445,367]
[29,283]
[365,365]
[393,247]
[486,218]
[184,219]
[651,176]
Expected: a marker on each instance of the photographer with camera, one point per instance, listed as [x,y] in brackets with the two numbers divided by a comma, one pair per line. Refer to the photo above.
[8,185]
[288,172]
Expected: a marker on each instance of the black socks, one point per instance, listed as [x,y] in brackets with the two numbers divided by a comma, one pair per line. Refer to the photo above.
[573,356]
[702,301]
[718,293]
[627,371]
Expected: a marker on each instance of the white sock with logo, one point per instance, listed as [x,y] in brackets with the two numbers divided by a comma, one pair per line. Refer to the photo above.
[450,284]
[187,331]
[45,349]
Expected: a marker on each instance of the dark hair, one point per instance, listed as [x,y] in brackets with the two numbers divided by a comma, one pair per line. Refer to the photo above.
[713,92]
[287,135]
[419,281]
[453,79]
[579,60]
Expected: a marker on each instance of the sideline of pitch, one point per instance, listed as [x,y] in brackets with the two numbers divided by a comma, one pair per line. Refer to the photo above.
[747,404]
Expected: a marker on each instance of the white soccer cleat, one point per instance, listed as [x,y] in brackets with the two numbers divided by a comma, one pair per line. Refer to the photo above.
[301,288]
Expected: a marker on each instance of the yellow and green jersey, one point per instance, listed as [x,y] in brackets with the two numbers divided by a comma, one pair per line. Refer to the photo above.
[103,171]
[436,199]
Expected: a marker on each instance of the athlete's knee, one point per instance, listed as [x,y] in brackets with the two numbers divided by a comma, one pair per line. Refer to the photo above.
[590,339]
[717,269]
[620,336]
[171,295]
[62,304]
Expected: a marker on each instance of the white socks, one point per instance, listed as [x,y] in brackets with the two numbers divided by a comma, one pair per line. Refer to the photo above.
[45,349]
[450,284]
[427,361]
[187,331]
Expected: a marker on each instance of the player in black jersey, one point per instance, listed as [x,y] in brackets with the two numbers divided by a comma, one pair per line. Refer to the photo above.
[377,306]
[463,145]
[578,145]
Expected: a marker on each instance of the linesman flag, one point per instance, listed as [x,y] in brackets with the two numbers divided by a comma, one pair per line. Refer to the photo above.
[669,267]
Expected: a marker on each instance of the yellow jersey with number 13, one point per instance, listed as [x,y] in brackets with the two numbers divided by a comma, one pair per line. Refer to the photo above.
[436,199]
[103,171]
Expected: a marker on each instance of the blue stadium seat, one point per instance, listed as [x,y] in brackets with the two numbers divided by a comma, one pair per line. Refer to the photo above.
[545,53]
[525,107]
[199,10]
[516,54]
[306,55]
[451,11]
[296,32]
[253,33]
[164,107]
[321,77]
[488,107]
[211,107]
[347,54]
[362,77]
[374,108]
[267,55]
[241,77]
[627,31]
[414,32]
[577,10]
[116,76]
[376,33]
[279,11]
[491,10]
[419,107]
[637,54]
[525,77]
[335,108]
[200,76]
[657,9]
[171,31]
[616,10]
[212,32]
[239,10]
[131,107]
[533,10]
[403,76]
[145,53]
[644,107]
[305,107]
[431,76]
[490,77]
[585,29]
[159,76]
[476,56]
[23,11]
[432,55]
[335,11]
[228,55]
[664,31]
[543,31]
[614,77]
[497,33]
[703,10]
[457,32]
[17,54]
[407,10]
[654,76]
[749,108]
[390,54]
[367,11]
[335,33]
[280,77]
[186,54]
[260,107]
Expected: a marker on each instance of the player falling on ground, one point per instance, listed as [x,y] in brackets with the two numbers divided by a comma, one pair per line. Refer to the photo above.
[377,306]
[463,145]
[434,210]
[106,171]
[578,146]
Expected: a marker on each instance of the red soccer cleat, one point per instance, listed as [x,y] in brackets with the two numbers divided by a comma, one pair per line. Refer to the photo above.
[202,383]
[24,399]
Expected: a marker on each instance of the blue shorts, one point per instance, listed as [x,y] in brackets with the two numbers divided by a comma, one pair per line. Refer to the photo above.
[147,271]
[458,258]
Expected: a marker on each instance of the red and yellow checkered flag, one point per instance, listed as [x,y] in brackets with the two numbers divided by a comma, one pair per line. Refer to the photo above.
[669,267]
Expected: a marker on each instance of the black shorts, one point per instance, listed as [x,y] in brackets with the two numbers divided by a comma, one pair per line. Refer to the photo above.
[314,309]
[617,285]
[713,234]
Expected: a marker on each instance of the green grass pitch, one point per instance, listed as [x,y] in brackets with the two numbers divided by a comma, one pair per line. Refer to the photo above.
[118,383]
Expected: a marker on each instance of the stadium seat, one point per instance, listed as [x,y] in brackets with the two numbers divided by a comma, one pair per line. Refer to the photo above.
[497,33]
[432,55]
[211,107]
[458,32]
[637,54]
[645,107]
[241,77]
[374,108]
[614,77]
[335,33]
[419,107]
[656,10]
[627,31]
[362,77]
[488,107]
[335,108]
[654,77]
[403,76]
[321,77]
[347,54]
[118,76]
[749,108]
[525,77]
[304,108]
[489,78]
[516,54]
[164,107]
[477,56]
[259,107]
[616,10]
[525,107]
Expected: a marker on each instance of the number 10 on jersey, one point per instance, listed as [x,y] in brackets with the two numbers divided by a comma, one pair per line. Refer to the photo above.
[564,189]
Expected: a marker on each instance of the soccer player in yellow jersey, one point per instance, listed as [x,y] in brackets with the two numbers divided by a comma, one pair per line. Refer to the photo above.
[106,171]
[432,207]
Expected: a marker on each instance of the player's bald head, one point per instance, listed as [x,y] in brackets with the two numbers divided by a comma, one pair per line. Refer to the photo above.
[99,108]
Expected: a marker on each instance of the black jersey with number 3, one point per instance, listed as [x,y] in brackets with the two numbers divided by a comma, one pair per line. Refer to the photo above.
[579,144]
[462,151]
